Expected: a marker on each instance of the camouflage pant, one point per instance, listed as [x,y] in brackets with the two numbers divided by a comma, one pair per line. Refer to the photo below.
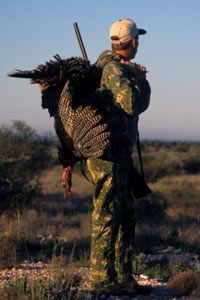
[113,222]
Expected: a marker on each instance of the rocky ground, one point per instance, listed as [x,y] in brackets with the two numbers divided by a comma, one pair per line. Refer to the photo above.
[160,291]
[39,269]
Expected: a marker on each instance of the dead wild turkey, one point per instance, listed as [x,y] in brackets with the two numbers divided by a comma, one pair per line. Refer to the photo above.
[69,93]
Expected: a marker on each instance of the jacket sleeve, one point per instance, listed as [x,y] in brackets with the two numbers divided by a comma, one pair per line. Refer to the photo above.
[133,96]
[115,81]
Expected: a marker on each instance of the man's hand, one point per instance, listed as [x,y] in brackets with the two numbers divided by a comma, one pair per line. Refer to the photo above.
[139,70]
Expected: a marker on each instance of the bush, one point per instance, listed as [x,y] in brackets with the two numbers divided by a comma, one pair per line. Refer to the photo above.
[63,287]
[8,252]
[16,191]
[23,154]
[191,164]
[162,159]
[181,194]
[151,209]
[184,283]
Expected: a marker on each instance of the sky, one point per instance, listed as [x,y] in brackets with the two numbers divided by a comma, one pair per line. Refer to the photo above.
[32,32]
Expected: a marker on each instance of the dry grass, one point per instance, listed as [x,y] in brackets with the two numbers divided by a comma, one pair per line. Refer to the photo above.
[58,231]
[53,226]
[8,252]
[182,194]
[50,182]
[171,215]
[184,283]
[54,286]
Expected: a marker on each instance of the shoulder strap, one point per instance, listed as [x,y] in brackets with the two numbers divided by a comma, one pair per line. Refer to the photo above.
[105,58]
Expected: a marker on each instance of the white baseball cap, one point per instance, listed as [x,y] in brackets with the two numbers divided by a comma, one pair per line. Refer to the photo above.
[123,31]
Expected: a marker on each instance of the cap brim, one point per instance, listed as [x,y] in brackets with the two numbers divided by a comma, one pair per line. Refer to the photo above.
[141,31]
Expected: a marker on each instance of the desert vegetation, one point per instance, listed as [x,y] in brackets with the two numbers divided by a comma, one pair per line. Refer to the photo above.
[38,225]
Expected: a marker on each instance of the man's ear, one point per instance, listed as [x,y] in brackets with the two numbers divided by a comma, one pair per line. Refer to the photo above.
[135,41]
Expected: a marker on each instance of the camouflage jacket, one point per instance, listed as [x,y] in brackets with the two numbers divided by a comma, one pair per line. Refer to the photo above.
[124,97]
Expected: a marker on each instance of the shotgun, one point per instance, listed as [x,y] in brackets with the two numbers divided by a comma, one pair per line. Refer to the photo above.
[80,41]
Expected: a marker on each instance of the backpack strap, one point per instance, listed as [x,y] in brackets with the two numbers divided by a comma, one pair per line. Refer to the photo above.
[140,156]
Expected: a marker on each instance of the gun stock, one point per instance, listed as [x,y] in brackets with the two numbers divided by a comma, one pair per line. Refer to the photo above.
[137,184]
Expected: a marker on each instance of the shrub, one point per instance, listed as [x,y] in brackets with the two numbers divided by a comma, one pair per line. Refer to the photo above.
[184,283]
[8,252]
[161,159]
[64,287]
[191,164]
[151,209]
[16,191]
[22,155]
[181,195]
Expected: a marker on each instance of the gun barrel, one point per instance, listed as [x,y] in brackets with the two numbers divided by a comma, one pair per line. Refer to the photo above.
[21,74]
[80,41]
